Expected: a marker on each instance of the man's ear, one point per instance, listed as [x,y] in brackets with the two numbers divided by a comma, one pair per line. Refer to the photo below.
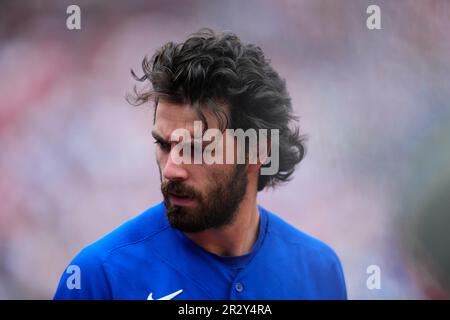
[262,156]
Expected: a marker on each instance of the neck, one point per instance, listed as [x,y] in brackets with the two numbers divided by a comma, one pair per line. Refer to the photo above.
[237,238]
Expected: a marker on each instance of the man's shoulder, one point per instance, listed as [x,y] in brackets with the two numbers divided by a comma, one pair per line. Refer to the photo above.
[282,231]
[140,228]
[306,259]
[89,264]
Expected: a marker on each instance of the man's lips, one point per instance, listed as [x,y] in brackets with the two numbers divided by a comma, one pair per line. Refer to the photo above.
[179,200]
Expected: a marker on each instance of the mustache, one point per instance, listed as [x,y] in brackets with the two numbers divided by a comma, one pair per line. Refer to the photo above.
[179,189]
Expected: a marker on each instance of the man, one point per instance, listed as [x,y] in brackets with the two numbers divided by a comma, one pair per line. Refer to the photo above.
[209,239]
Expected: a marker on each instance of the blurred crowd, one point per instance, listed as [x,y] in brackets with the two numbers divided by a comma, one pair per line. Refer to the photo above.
[76,160]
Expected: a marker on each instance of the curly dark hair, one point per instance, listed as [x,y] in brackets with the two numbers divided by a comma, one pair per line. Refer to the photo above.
[212,67]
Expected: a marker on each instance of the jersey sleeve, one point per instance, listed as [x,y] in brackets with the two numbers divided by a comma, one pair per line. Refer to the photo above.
[84,278]
[334,278]
[341,289]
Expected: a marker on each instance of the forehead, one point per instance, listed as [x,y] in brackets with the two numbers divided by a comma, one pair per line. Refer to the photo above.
[171,116]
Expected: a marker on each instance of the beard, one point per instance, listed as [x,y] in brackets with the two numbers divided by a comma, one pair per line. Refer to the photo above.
[214,208]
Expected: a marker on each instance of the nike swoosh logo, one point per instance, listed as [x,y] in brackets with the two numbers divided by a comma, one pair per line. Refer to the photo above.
[168,297]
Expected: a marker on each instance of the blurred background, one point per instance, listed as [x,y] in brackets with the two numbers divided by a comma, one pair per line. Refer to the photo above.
[76,160]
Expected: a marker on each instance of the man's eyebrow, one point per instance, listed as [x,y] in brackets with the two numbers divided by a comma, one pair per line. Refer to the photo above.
[157,136]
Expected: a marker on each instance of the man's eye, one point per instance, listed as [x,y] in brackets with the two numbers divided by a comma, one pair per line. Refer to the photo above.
[163,145]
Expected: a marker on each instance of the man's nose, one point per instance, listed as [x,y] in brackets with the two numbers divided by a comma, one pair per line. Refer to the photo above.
[173,171]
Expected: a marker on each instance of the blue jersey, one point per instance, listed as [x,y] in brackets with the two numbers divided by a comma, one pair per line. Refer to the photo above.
[146,258]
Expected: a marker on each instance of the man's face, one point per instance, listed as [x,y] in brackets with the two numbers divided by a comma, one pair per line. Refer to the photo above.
[197,196]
